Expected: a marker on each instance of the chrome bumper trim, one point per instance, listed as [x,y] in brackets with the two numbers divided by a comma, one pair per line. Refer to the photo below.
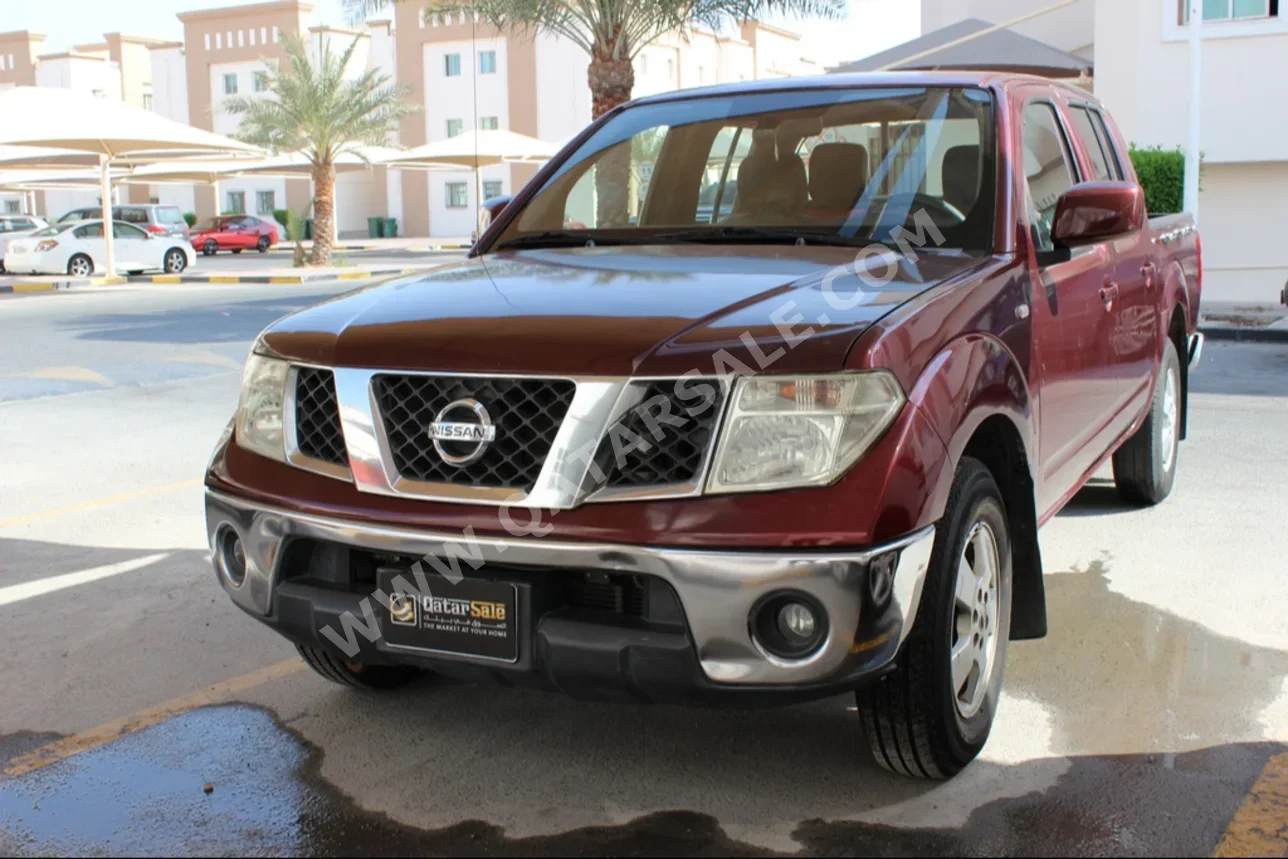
[1195,348]
[717,589]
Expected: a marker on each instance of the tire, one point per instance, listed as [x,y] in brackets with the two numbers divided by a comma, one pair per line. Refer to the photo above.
[80,266]
[1145,466]
[262,244]
[355,674]
[918,721]
[175,261]
[210,247]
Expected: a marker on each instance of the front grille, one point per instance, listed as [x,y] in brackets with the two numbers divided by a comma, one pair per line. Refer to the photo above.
[317,417]
[526,412]
[616,594]
[677,457]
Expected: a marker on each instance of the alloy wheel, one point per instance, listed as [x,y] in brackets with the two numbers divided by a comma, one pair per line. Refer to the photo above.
[975,617]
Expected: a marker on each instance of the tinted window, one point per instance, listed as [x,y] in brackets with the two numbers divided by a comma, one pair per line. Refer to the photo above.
[90,231]
[133,216]
[1107,143]
[128,231]
[1047,170]
[170,215]
[1091,142]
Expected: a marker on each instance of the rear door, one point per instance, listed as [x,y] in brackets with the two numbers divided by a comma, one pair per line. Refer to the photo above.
[134,250]
[1077,393]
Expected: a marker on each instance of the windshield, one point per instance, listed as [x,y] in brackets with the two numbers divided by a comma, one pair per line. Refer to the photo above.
[827,166]
[52,231]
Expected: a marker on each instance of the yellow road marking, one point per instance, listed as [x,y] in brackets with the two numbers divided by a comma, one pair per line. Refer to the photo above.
[166,278]
[217,693]
[1260,826]
[71,374]
[107,281]
[34,287]
[355,275]
[98,502]
[224,279]
[286,280]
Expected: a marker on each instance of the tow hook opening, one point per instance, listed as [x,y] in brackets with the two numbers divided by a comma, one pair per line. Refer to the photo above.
[230,556]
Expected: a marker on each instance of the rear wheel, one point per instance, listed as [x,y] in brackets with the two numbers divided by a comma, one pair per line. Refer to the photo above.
[931,716]
[1145,466]
[210,247]
[80,266]
[175,261]
[262,244]
[356,674]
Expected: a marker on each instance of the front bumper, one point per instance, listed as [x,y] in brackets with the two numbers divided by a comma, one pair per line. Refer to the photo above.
[705,651]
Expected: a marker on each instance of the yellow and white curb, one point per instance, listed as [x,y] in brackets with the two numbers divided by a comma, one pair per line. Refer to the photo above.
[26,286]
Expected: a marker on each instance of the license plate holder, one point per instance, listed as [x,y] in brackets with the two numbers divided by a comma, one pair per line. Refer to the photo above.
[474,617]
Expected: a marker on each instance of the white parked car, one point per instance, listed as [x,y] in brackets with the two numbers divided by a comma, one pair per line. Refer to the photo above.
[17,226]
[77,248]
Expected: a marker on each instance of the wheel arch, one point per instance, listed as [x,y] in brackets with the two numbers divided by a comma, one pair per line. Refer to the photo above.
[976,396]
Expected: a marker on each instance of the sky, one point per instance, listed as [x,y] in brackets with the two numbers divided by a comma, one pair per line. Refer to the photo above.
[870,26]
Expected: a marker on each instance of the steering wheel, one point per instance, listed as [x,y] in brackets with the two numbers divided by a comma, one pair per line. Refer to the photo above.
[918,200]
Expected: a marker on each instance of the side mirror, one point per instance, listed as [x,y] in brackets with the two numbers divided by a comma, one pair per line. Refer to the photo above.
[1097,210]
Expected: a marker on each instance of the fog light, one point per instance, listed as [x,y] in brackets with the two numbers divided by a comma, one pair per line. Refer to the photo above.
[796,622]
[788,625]
[230,557]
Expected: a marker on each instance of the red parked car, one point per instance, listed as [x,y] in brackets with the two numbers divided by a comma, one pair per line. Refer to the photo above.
[234,233]
[801,451]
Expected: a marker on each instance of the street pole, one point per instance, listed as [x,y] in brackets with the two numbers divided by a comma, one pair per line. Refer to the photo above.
[1196,103]
[105,189]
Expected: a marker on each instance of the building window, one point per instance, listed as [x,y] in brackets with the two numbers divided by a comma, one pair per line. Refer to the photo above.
[452,65]
[458,195]
[492,188]
[236,202]
[207,41]
[1231,10]
[670,69]
[252,37]
[702,74]
[241,38]
[263,35]
[455,127]
[489,123]
[265,202]
[487,62]
[12,207]
[98,93]
[219,41]
[261,82]
[230,84]
[643,64]
[277,34]
[147,101]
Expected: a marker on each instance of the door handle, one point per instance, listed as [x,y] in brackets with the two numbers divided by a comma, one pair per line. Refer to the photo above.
[1148,270]
[1109,293]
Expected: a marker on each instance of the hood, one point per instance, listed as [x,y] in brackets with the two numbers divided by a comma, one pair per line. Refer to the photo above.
[657,310]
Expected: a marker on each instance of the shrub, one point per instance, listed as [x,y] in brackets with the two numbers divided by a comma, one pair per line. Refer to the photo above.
[280,216]
[191,218]
[1162,175]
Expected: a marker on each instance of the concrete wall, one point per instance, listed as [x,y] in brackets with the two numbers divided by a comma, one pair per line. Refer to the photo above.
[18,52]
[89,75]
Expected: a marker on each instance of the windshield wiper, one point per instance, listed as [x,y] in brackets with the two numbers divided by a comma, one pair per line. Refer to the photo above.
[565,239]
[755,235]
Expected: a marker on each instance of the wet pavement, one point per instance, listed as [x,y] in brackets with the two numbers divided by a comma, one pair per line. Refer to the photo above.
[1138,726]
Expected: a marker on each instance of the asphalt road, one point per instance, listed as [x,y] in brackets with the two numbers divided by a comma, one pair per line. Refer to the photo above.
[127,690]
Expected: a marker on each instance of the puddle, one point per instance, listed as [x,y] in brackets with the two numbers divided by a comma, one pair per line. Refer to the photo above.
[1121,677]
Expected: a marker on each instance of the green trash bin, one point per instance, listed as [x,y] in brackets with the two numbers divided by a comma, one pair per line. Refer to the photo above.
[390,228]
[375,228]
[308,228]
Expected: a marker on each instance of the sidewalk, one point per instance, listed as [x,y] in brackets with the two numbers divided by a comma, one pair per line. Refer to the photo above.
[1228,320]
[280,275]
[398,244]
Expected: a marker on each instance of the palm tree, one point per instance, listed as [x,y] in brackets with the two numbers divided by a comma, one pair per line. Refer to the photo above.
[315,109]
[612,32]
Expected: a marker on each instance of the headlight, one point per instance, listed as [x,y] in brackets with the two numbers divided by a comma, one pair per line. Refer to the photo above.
[785,431]
[259,415]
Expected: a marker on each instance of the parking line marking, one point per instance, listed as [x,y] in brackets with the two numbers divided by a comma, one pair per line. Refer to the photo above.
[217,693]
[69,374]
[40,587]
[98,502]
[1260,826]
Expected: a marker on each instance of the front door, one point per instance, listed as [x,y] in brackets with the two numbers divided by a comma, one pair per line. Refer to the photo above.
[1078,390]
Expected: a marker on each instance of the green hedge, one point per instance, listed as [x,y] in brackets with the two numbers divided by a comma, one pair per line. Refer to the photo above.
[191,218]
[280,216]
[1162,174]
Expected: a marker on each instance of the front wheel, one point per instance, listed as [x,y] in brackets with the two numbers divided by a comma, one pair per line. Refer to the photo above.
[210,247]
[356,674]
[931,716]
[80,266]
[1145,466]
[262,244]
[175,261]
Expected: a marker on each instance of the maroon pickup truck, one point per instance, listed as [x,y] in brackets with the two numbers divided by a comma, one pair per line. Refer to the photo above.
[755,394]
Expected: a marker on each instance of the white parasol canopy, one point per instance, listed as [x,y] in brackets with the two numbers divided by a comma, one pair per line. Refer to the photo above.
[111,131]
[477,149]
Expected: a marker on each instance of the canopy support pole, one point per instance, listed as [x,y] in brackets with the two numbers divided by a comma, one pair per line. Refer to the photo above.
[1196,105]
[31,203]
[105,188]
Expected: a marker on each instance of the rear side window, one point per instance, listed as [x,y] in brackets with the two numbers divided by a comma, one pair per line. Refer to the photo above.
[1091,142]
[90,231]
[133,216]
[1107,141]
[170,215]
[1048,169]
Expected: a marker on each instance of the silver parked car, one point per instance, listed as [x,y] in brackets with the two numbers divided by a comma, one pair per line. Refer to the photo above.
[14,226]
